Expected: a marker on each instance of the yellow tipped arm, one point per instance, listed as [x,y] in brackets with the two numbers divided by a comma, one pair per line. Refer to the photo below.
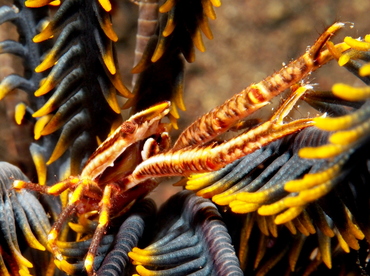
[106,5]
[20,111]
[40,3]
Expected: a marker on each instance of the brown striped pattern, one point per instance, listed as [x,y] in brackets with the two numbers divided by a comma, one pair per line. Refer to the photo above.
[223,117]
[205,159]
[147,22]
[199,159]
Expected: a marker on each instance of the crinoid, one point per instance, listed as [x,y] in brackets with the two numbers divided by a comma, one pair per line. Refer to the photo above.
[264,193]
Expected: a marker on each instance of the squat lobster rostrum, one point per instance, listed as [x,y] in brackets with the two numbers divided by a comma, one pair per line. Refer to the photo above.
[87,186]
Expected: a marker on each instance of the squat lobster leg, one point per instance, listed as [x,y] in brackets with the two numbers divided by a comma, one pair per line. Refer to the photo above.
[82,187]
[101,228]
[55,190]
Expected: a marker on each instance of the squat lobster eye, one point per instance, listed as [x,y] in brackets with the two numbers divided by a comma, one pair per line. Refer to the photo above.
[88,186]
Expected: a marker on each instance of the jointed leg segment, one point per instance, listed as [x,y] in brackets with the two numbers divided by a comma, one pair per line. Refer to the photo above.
[82,187]
[104,207]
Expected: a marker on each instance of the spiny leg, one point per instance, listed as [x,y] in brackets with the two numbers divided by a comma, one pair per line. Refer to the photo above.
[85,187]
[57,227]
[54,190]
[105,204]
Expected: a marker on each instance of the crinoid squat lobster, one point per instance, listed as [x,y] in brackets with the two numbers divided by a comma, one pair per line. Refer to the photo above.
[190,154]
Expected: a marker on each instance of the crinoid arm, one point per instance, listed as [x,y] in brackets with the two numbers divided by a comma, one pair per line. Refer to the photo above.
[204,246]
[20,213]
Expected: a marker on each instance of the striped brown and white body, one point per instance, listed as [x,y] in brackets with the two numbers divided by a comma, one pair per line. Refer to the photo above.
[223,117]
[213,156]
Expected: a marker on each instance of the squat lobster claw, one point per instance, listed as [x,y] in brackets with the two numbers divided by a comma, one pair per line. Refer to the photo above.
[87,186]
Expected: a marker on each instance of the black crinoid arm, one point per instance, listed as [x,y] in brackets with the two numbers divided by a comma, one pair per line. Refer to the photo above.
[83,80]
[70,106]
[24,225]
[161,65]
[75,100]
